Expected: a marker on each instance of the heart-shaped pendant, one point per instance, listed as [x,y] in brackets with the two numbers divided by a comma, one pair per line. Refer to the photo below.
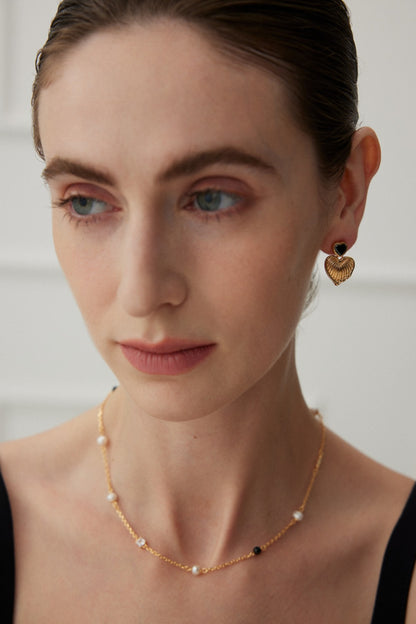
[339,269]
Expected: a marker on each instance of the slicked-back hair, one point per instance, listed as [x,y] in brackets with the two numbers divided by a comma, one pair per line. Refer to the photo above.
[306,43]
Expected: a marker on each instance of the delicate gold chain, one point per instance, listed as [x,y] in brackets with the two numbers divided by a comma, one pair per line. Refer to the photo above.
[196,570]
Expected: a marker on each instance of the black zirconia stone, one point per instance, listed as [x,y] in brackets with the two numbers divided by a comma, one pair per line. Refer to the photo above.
[257,550]
[340,249]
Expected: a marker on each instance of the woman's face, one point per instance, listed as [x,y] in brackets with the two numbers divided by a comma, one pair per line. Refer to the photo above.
[188,206]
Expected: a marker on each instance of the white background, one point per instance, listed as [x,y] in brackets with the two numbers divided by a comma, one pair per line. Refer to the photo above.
[356,350]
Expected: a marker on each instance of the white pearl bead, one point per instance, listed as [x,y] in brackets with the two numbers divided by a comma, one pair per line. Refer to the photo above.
[141,542]
[102,440]
[196,570]
[111,497]
[298,516]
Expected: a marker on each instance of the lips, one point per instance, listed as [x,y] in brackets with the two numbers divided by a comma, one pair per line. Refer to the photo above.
[169,357]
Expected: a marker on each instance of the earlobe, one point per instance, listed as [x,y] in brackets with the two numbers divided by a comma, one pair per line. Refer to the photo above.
[361,166]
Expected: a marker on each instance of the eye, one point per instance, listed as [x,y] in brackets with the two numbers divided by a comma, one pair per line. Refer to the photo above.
[86,206]
[214,201]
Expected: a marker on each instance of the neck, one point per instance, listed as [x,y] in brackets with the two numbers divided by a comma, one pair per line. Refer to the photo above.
[204,487]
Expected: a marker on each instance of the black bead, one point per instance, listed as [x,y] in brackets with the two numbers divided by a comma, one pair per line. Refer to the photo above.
[340,249]
[257,550]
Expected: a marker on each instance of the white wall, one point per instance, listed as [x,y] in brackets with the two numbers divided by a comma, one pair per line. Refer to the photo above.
[356,351]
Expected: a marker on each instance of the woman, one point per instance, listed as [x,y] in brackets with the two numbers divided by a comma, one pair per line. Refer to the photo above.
[199,155]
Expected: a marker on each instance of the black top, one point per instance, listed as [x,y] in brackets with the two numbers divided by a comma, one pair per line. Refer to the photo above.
[397,569]
[6,558]
[393,588]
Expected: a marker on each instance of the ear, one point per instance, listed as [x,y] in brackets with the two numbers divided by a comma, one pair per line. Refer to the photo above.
[351,196]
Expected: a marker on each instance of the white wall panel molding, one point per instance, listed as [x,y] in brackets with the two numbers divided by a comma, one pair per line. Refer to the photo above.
[23,29]
[4,56]
[12,123]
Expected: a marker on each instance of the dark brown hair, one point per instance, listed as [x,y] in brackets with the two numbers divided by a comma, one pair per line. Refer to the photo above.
[307,43]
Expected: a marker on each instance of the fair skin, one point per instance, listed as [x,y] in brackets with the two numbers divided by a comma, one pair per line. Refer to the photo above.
[210,462]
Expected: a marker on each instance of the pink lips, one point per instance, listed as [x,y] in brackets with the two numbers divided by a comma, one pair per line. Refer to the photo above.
[169,357]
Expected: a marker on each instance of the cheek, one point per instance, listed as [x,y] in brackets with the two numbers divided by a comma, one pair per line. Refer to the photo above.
[260,285]
[87,270]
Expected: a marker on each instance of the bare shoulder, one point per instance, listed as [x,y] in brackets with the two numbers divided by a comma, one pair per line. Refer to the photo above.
[49,478]
[359,502]
[363,479]
[370,495]
[44,457]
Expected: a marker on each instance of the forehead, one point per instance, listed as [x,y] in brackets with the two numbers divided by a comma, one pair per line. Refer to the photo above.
[159,88]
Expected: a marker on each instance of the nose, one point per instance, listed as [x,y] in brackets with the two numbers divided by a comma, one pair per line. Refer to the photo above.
[150,266]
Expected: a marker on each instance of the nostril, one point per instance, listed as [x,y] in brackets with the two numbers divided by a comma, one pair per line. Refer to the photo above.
[141,293]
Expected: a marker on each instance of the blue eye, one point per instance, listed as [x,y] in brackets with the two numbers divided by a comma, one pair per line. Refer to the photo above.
[85,206]
[215,201]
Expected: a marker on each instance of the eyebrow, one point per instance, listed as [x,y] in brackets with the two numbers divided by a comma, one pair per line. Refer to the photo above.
[224,155]
[61,166]
[185,166]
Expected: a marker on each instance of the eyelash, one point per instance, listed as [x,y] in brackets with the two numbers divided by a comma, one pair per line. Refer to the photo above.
[206,216]
[217,215]
[72,216]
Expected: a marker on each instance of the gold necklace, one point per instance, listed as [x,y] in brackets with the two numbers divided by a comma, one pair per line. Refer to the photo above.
[297,516]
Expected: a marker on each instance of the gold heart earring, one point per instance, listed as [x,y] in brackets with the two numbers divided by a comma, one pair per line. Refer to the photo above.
[338,268]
